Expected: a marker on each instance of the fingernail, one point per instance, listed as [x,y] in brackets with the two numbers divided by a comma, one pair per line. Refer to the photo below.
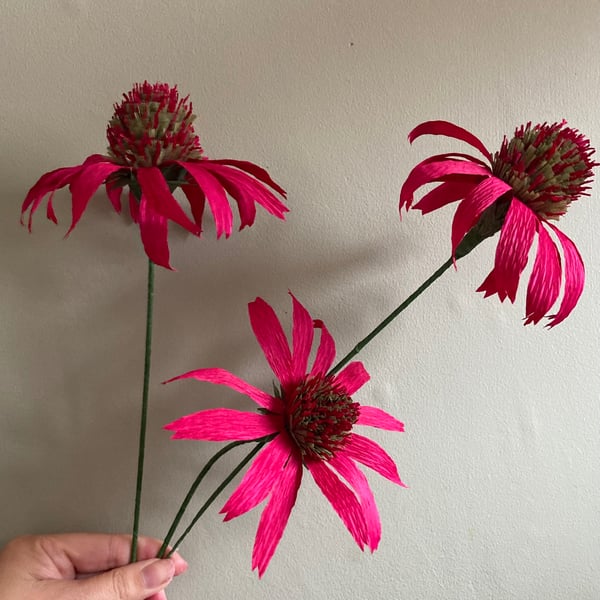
[158,573]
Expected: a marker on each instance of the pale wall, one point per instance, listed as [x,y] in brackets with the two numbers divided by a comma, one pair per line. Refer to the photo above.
[501,450]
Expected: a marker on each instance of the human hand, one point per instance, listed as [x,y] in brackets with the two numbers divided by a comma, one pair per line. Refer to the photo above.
[84,566]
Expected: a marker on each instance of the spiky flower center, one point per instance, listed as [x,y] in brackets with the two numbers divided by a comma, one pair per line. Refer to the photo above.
[547,166]
[319,416]
[152,126]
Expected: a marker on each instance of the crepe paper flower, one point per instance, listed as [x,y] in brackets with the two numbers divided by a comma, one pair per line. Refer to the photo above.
[312,416]
[153,149]
[520,191]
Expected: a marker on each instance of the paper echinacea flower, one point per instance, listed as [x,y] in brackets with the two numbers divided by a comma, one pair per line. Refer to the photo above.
[528,183]
[153,149]
[312,418]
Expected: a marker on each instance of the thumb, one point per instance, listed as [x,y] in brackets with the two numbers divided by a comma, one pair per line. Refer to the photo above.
[132,582]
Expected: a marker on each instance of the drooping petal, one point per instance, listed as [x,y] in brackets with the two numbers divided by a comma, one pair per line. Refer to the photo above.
[325,351]
[215,196]
[443,194]
[50,214]
[544,284]
[157,193]
[197,200]
[113,192]
[223,377]
[371,455]
[352,377]
[83,186]
[271,337]
[427,172]
[516,237]
[254,170]
[260,478]
[275,516]
[154,232]
[357,480]
[302,336]
[450,130]
[574,272]
[134,208]
[342,498]
[222,424]
[471,208]
[375,417]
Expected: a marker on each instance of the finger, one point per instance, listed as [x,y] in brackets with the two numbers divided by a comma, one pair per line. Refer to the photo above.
[137,581]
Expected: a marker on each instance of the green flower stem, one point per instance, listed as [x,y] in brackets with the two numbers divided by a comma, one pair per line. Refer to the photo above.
[215,494]
[144,415]
[470,241]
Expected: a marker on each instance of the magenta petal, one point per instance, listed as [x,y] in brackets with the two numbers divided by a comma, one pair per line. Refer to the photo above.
[157,193]
[443,194]
[302,335]
[516,237]
[427,172]
[215,195]
[325,352]
[134,208]
[342,498]
[50,214]
[154,232]
[357,480]
[82,187]
[259,480]
[197,200]
[450,130]
[222,424]
[275,516]
[471,208]
[574,271]
[271,337]
[352,378]
[375,417]
[114,195]
[544,284]
[254,170]
[371,455]
[223,377]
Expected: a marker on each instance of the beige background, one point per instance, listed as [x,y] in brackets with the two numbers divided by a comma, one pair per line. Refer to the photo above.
[502,445]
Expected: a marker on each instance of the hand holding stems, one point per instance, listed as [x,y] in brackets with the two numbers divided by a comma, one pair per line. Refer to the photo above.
[93,566]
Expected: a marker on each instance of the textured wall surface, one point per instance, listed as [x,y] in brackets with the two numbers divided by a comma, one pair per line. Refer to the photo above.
[502,443]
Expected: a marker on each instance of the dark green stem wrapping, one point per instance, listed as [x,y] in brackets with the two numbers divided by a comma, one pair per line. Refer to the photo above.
[144,413]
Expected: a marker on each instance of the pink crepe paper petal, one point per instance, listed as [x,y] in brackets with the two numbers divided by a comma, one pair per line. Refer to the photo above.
[516,237]
[215,195]
[134,208]
[85,184]
[325,352]
[471,208]
[222,424]
[375,417]
[302,335]
[156,191]
[352,377]
[342,499]
[254,170]
[443,194]
[154,233]
[371,455]
[114,195]
[223,377]
[197,200]
[449,130]
[271,337]
[357,480]
[427,172]
[275,516]
[544,284]
[574,271]
[50,214]
[259,479]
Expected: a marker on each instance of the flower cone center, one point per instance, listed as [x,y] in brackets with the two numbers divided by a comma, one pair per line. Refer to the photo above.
[319,417]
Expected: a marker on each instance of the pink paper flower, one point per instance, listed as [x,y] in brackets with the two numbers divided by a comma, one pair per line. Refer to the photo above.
[529,182]
[312,417]
[153,149]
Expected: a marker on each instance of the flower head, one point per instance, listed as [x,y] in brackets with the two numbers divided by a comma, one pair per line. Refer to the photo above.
[153,149]
[311,417]
[528,183]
